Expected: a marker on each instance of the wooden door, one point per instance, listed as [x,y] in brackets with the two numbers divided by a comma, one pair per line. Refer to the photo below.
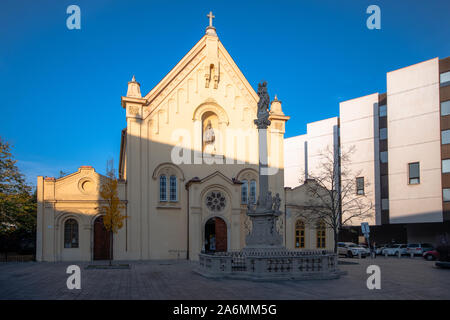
[101,240]
[221,235]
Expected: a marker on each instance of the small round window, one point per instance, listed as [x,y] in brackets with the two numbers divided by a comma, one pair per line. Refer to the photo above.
[215,201]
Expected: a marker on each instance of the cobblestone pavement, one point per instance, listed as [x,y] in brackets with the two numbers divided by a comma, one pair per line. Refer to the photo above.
[403,278]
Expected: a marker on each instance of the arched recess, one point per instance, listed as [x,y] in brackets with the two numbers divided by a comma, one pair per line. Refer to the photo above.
[168,166]
[211,106]
[247,173]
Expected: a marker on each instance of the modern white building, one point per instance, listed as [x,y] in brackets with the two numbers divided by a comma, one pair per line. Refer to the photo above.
[402,151]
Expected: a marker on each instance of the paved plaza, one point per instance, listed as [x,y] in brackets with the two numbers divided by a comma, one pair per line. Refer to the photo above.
[403,278]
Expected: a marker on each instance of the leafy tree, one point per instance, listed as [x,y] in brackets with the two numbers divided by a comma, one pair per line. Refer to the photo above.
[333,198]
[113,218]
[17,201]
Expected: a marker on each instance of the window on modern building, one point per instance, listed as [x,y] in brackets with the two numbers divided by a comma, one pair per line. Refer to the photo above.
[446,166]
[445,78]
[360,185]
[383,110]
[445,136]
[299,234]
[414,173]
[321,234]
[384,157]
[244,191]
[446,195]
[253,190]
[173,190]
[383,133]
[71,233]
[445,108]
[162,188]
[384,204]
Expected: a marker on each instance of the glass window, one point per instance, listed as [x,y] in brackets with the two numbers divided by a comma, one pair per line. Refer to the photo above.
[71,233]
[445,135]
[360,185]
[446,166]
[383,133]
[253,191]
[173,188]
[445,77]
[299,234]
[445,108]
[383,110]
[446,194]
[384,204]
[162,188]
[383,157]
[321,234]
[414,173]
[244,191]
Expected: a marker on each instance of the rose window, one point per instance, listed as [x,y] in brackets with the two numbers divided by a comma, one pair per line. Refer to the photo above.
[215,201]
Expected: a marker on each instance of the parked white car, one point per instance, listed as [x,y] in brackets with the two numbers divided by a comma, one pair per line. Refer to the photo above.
[395,249]
[350,250]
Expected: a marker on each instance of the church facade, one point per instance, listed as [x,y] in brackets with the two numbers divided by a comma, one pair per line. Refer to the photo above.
[188,169]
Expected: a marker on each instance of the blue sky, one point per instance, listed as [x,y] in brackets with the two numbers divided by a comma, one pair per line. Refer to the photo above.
[60,89]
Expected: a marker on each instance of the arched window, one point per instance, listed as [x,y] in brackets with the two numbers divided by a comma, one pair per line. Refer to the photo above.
[71,233]
[173,191]
[253,190]
[162,188]
[299,234]
[244,191]
[321,234]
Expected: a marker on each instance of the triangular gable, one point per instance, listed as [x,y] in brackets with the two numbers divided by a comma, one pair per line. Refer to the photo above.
[187,64]
[216,174]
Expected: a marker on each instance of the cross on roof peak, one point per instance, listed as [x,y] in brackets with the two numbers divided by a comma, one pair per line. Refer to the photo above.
[211,17]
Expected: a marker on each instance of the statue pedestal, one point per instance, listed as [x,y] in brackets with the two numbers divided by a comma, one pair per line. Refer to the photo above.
[264,233]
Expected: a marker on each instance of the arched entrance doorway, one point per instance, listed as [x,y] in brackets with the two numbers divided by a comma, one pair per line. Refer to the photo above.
[102,240]
[215,235]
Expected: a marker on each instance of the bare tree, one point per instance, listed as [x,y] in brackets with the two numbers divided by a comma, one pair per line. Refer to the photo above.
[332,190]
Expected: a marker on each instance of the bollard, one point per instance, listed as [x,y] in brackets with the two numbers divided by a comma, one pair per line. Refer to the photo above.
[359,255]
[385,254]
[399,254]
[412,255]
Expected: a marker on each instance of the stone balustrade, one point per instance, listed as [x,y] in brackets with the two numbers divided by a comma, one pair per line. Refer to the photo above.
[270,265]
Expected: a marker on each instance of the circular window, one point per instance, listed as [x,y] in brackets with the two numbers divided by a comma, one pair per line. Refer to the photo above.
[215,201]
[86,185]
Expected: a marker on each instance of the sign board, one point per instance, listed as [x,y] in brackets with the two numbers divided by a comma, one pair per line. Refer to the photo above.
[365,228]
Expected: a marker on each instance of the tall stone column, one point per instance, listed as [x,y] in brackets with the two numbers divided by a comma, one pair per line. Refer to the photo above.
[264,233]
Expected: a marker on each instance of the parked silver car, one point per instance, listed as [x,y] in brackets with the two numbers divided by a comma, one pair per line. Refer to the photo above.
[350,250]
[419,248]
[395,249]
